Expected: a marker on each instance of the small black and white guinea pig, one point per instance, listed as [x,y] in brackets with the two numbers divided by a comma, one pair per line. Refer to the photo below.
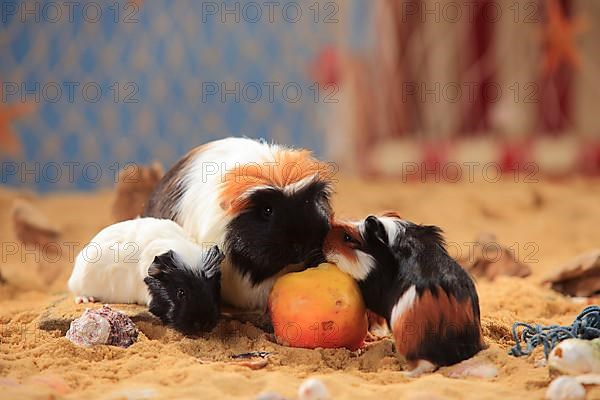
[406,275]
[267,207]
[152,262]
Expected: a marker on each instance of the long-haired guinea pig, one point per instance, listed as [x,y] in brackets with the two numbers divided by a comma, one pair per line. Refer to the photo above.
[267,206]
[406,275]
[152,262]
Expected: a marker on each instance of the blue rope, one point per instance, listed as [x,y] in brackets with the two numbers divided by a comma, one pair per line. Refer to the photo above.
[585,326]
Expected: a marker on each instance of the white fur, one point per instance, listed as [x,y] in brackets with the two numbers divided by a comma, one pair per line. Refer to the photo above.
[358,270]
[297,186]
[112,267]
[201,215]
[393,227]
[404,304]
[422,367]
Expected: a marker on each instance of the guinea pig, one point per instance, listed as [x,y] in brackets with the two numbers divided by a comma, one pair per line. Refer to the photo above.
[267,206]
[152,262]
[406,275]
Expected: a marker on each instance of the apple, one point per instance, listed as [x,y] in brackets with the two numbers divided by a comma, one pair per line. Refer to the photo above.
[318,307]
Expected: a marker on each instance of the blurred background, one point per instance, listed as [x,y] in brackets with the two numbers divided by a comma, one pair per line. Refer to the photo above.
[385,88]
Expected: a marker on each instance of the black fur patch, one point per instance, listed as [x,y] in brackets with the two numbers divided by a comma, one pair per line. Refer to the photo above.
[418,257]
[183,297]
[278,229]
[168,193]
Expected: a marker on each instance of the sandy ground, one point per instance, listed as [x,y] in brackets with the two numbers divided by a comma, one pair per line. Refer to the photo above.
[545,223]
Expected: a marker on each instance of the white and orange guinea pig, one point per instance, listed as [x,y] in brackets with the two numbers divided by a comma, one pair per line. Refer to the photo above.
[267,206]
[406,275]
[152,262]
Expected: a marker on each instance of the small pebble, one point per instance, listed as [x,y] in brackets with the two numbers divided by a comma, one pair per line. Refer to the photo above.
[565,388]
[53,382]
[133,394]
[473,367]
[270,396]
[313,389]
[540,362]
[9,382]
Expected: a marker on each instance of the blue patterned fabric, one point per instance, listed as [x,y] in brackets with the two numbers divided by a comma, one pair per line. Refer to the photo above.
[144,81]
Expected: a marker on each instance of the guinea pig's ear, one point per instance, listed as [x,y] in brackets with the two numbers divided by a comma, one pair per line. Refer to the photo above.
[375,230]
[162,264]
[212,262]
[155,271]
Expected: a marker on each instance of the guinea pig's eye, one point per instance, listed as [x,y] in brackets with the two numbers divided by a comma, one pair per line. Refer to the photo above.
[267,211]
[180,293]
[348,238]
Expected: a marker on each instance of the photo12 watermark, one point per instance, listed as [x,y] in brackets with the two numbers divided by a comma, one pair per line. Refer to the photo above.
[93,172]
[470,11]
[469,171]
[68,92]
[268,92]
[270,12]
[469,92]
[54,12]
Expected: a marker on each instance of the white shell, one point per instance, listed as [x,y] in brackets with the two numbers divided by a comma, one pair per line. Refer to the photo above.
[89,330]
[313,389]
[575,357]
[565,388]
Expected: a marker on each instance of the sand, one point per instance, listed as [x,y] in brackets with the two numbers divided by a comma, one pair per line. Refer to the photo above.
[546,223]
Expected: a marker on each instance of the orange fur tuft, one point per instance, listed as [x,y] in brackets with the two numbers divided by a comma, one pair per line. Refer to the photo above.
[288,168]
[391,214]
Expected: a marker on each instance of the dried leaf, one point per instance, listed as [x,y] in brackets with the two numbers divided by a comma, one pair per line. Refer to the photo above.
[31,226]
[490,259]
[134,186]
[579,277]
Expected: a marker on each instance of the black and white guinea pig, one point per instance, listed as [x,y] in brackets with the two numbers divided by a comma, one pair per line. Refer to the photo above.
[152,262]
[267,206]
[406,275]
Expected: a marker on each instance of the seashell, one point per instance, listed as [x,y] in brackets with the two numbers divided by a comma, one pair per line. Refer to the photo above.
[313,389]
[565,388]
[575,357]
[102,326]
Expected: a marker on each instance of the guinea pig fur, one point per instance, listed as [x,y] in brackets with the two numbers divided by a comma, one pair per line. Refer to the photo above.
[152,262]
[267,206]
[406,275]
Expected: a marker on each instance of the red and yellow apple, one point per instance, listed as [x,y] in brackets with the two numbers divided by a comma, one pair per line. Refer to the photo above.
[318,307]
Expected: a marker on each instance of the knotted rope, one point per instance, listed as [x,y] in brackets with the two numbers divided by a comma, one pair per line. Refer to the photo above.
[585,326]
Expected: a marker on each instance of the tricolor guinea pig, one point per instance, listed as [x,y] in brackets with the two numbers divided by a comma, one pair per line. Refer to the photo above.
[151,262]
[267,206]
[406,275]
